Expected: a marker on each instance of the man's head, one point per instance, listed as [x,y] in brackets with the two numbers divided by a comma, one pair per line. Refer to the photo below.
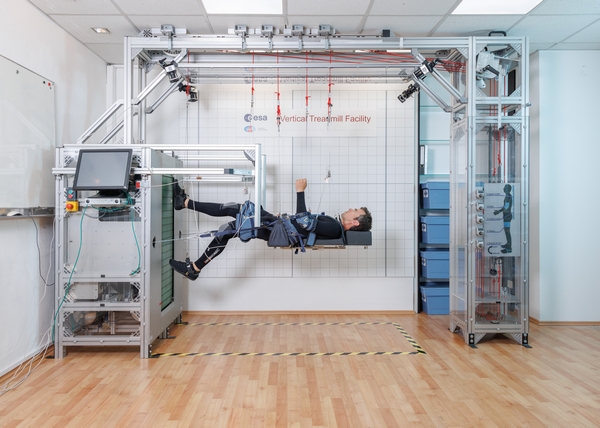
[357,219]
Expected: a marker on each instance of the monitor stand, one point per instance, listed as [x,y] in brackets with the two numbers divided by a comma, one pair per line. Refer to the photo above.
[107,198]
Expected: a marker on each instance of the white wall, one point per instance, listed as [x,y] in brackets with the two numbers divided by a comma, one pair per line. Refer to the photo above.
[80,78]
[534,193]
[566,137]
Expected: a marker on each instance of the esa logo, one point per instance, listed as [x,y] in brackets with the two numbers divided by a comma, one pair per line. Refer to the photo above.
[257,118]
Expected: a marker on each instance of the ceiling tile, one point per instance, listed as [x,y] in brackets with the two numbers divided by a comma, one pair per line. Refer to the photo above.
[475,25]
[552,28]
[395,7]
[195,24]
[588,34]
[328,7]
[221,23]
[159,7]
[404,26]
[80,27]
[567,7]
[72,7]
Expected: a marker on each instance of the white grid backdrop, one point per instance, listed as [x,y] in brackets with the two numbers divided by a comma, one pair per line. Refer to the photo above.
[376,171]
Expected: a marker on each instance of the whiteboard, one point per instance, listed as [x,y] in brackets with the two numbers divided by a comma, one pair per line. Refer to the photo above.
[27,138]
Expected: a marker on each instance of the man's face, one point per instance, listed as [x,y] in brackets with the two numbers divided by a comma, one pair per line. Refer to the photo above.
[349,218]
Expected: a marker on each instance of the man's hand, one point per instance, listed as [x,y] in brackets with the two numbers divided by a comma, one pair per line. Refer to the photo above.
[301,184]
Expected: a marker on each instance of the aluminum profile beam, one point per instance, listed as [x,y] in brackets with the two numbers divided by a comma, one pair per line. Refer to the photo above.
[437,76]
[294,43]
[101,120]
[150,87]
[163,97]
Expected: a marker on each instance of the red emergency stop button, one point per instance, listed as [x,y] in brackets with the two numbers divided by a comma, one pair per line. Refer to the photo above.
[72,206]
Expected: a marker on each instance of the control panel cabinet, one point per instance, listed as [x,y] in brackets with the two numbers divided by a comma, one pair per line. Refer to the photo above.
[114,285]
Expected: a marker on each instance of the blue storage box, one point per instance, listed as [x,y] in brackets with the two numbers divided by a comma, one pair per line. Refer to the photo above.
[435,229]
[436,194]
[435,300]
[435,264]
[436,283]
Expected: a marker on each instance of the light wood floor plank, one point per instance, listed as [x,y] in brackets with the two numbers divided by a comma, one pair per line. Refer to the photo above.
[556,383]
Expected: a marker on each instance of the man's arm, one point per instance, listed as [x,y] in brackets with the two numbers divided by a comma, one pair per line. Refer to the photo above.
[301,184]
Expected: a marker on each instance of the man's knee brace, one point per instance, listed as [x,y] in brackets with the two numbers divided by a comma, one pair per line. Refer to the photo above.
[223,228]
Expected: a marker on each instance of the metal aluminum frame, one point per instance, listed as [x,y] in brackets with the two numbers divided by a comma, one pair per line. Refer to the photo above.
[466,204]
[230,51]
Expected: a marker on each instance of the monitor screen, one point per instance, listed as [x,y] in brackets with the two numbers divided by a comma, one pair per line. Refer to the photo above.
[103,170]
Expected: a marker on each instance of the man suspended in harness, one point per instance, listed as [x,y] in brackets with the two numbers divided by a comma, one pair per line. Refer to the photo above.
[323,227]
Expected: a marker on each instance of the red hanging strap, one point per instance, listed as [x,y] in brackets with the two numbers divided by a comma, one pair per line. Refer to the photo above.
[278,98]
[329,85]
[307,97]
[252,93]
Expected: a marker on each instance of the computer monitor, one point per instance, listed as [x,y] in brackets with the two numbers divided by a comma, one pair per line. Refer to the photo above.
[103,170]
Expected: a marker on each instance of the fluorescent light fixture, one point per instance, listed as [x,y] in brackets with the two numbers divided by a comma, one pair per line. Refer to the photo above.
[101,30]
[495,7]
[244,7]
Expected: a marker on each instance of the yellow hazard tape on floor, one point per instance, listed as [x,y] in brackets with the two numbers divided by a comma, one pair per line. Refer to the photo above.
[207,324]
[415,345]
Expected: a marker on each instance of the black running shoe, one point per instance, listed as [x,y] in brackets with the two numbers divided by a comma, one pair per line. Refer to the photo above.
[184,268]
[179,197]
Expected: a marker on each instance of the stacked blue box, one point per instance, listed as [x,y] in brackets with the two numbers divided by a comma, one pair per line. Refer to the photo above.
[435,300]
[435,283]
[435,229]
[435,264]
[436,194]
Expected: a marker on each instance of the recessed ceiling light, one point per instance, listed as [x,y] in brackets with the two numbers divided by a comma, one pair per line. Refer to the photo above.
[244,7]
[493,7]
[101,30]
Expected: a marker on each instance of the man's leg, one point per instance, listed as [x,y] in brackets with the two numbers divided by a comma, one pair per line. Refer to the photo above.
[214,249]
[216,246]
[230,209]
[181,200]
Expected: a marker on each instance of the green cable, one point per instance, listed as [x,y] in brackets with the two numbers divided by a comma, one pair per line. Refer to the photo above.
[132,217]
[72,271]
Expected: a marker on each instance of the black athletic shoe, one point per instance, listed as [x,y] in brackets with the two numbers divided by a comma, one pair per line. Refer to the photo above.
[184,268]
[179,197]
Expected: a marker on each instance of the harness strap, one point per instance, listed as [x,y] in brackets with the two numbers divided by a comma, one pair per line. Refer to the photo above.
[306,220]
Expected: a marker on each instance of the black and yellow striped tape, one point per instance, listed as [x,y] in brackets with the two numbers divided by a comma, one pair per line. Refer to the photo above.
[207,324]
[415,345]
[280,354]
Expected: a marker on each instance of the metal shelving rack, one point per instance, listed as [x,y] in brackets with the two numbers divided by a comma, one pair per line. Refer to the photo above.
[489,192]
[111,285]
[210,56]
[114,283]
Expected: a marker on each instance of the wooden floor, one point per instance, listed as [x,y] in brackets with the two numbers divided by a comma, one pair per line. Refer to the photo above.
[556,383]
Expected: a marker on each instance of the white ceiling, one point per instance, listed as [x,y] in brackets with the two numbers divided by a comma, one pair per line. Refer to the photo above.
[553,24]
